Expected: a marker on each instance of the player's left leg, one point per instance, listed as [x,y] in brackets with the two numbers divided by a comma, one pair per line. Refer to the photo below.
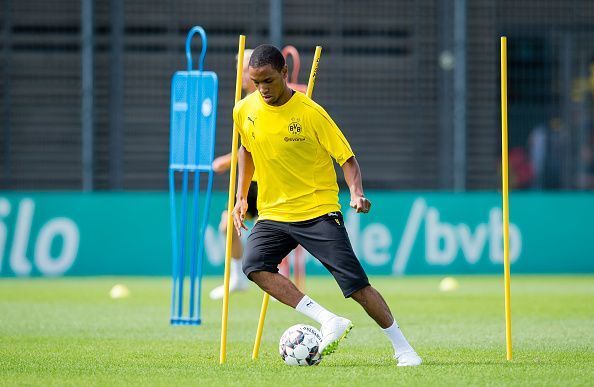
[327,240]
[377,308]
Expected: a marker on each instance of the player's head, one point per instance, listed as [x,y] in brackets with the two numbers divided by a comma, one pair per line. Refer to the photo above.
[268,71]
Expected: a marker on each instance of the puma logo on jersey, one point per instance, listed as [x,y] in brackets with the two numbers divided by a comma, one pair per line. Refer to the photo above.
[253,121]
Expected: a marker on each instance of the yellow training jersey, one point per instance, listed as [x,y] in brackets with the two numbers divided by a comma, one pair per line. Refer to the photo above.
[292,147]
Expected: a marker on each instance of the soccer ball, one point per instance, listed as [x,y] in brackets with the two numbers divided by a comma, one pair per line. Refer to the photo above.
[299,345]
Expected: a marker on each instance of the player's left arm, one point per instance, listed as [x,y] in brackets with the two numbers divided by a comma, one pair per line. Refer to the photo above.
[352,175]
[336,144]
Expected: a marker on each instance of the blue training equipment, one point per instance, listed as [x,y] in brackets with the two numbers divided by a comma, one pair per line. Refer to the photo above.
[193,121]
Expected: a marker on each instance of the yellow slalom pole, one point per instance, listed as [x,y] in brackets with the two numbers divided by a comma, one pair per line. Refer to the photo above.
[256,350]
[314,71]
[266,298]
[230,205]
[505,194]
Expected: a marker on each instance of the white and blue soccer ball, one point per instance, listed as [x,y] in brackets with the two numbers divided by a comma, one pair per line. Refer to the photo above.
[300,345]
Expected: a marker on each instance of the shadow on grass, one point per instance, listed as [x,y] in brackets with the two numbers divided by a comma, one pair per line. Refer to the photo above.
[388,363]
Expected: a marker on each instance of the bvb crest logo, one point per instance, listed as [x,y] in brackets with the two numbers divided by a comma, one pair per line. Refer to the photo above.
[295,126]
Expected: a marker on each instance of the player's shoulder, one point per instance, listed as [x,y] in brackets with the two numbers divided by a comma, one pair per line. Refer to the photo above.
[245,103]
[310,106]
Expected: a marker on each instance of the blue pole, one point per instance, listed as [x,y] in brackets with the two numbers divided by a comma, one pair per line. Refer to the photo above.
[182,252]
[202,236]
[173,216]
[206,211]
[195,232]
[195,300]
[184,203]
[194,304]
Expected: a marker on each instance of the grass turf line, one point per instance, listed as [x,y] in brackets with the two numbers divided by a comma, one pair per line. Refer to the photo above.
[68,331]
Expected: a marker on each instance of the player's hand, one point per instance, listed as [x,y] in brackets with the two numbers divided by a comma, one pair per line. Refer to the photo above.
[239,215]
[360,204]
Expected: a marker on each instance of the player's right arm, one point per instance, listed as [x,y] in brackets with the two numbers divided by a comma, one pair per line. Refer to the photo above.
[245,170]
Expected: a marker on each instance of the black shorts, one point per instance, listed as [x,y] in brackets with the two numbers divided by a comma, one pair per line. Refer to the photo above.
[325,237]
[252,199]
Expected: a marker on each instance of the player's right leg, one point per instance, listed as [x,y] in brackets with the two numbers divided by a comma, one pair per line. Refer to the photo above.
[267,245]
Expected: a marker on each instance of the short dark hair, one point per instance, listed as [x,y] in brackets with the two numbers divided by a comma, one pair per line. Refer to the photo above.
[267,54]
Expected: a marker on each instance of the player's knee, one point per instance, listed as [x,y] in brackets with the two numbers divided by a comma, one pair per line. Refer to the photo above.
[253,276]
[253,269]
[256,276]
[247,269]
[361,295]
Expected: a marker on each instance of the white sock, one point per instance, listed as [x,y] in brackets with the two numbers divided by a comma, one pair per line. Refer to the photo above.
[313,310]
[236,271]
[398,340]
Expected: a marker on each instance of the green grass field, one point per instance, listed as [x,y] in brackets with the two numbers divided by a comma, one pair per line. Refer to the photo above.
[68,331]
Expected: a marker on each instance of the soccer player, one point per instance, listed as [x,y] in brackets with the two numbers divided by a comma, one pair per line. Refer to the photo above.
[290,140]
[237,280]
